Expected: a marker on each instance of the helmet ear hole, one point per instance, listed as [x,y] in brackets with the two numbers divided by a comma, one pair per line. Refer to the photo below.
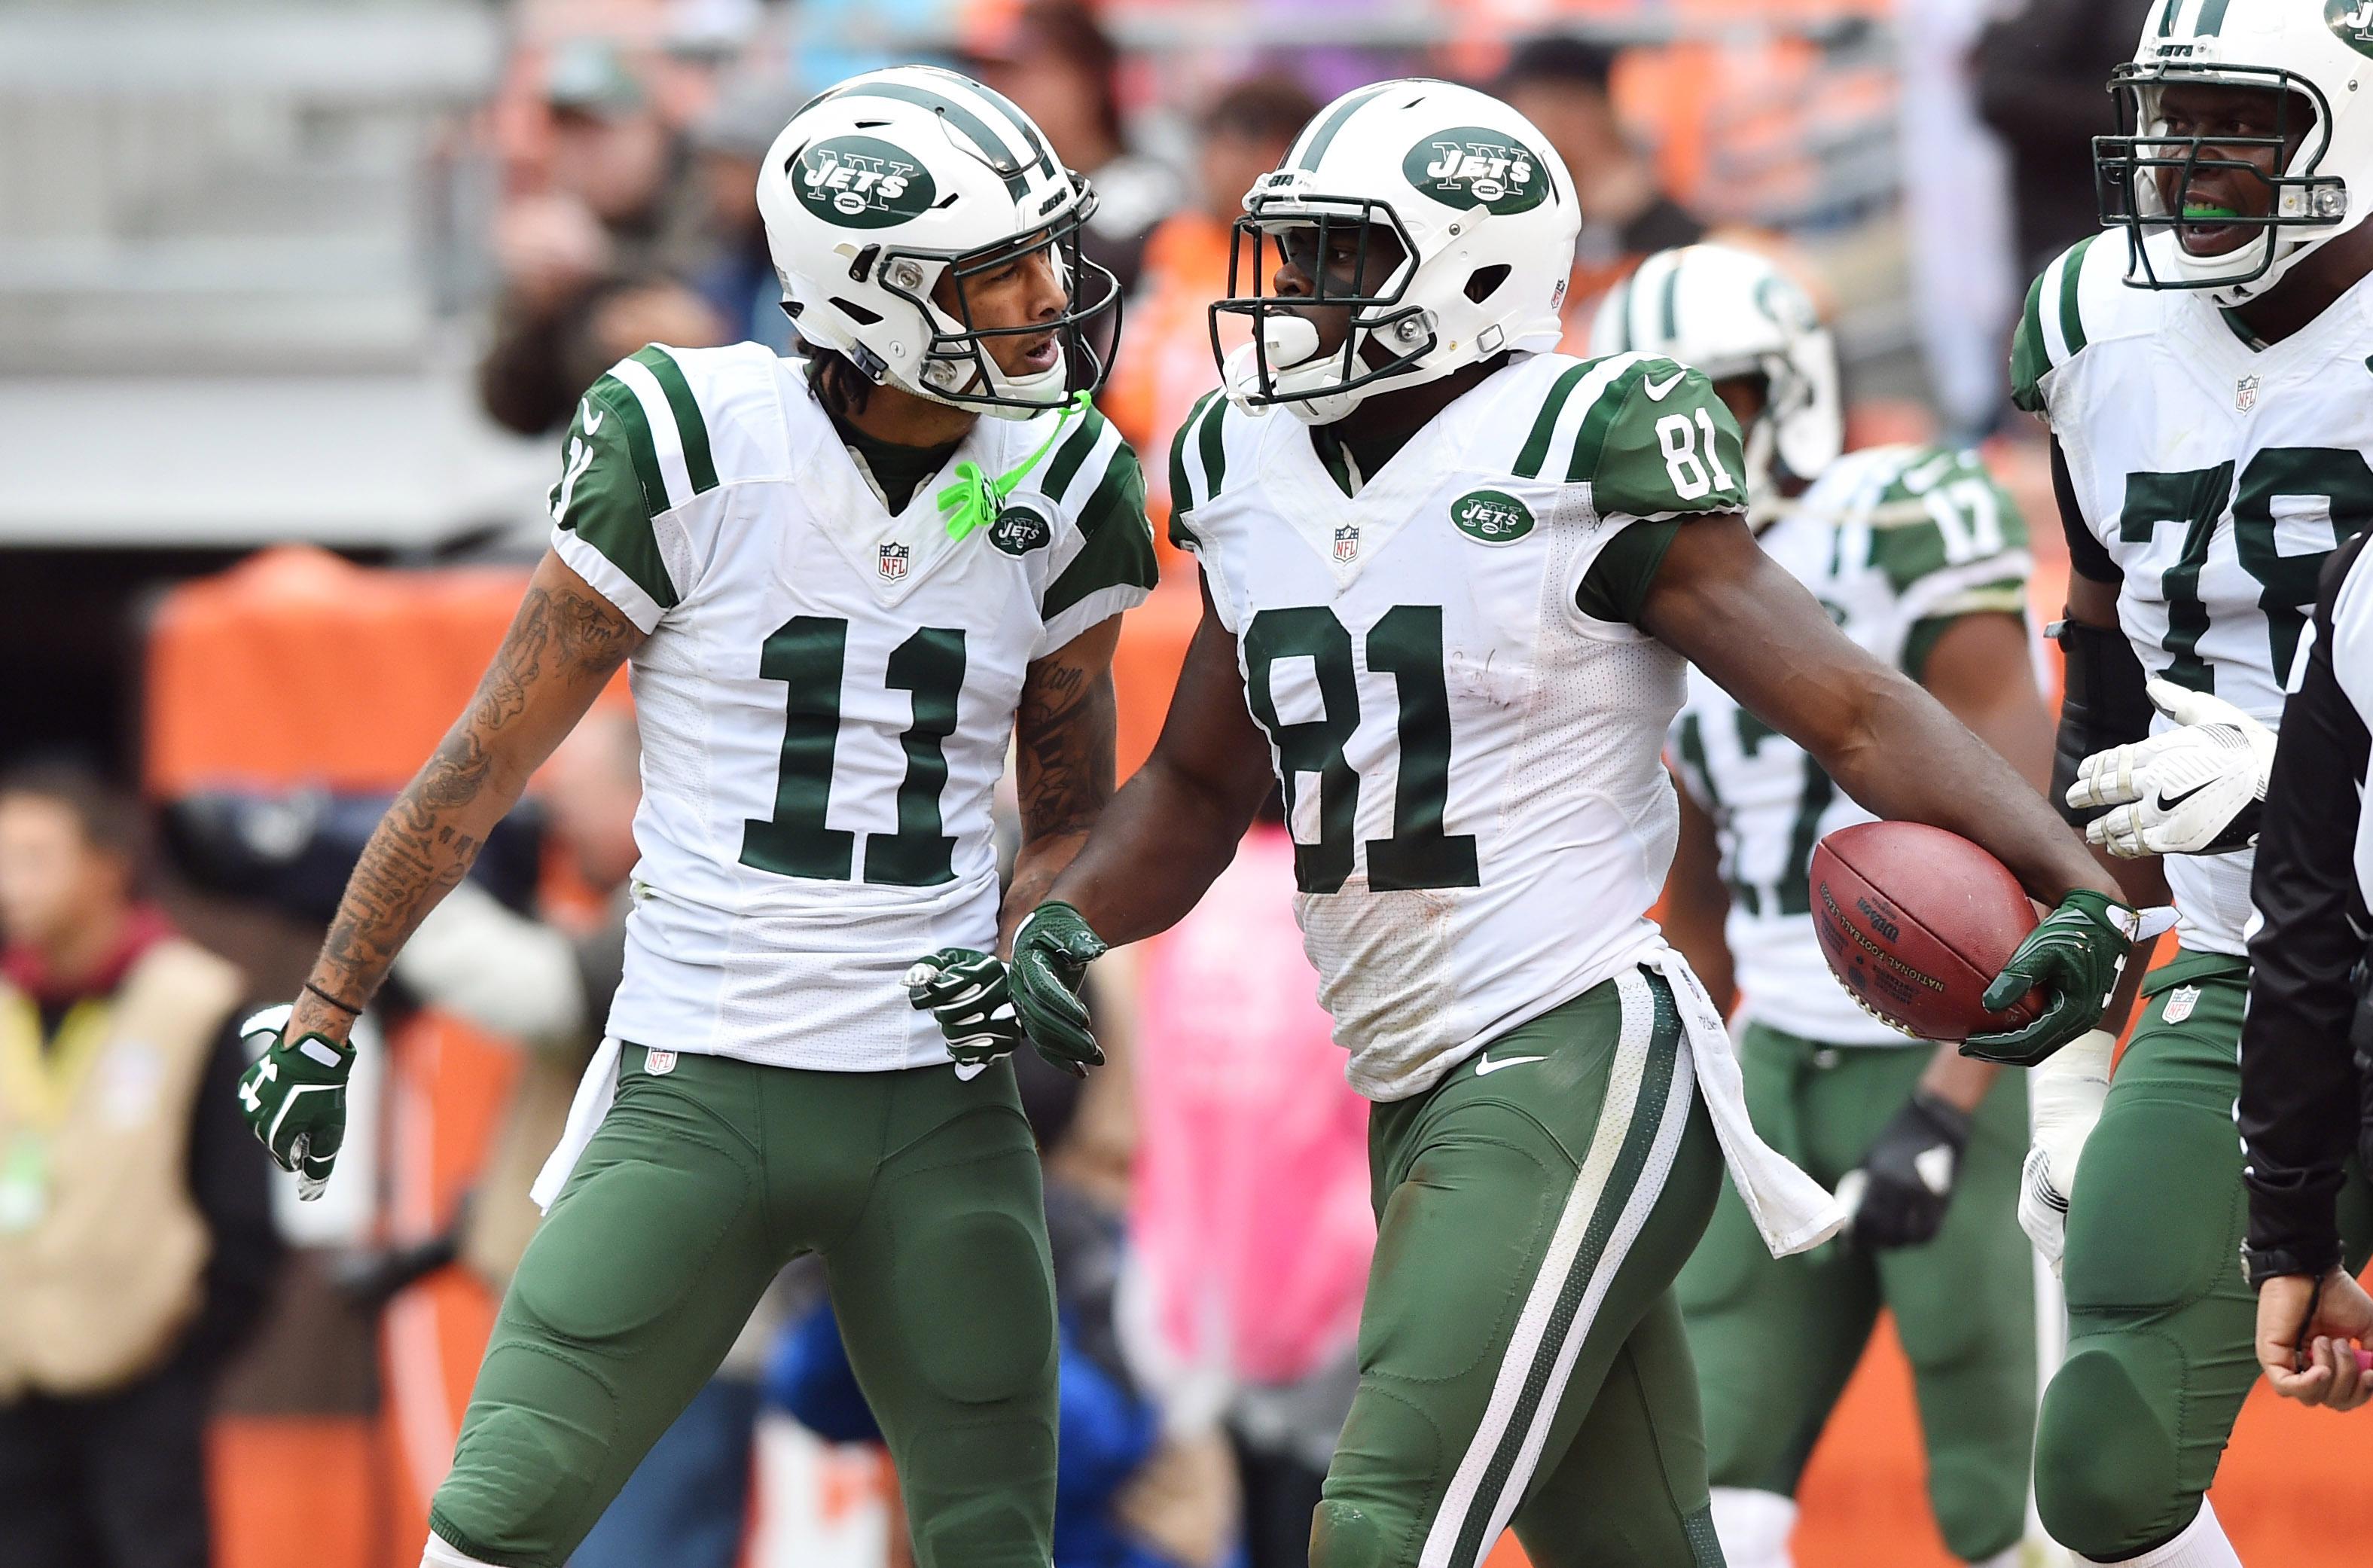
[1484,282]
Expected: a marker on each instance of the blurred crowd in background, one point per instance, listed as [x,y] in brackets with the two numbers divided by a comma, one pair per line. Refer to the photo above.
[335,275]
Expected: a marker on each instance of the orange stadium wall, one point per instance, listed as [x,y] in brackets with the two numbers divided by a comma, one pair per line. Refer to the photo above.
[296,667]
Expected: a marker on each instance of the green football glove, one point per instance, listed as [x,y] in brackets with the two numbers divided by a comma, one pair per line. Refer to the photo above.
[1051,955]
[964,991]
[294,1098]
[2075,956]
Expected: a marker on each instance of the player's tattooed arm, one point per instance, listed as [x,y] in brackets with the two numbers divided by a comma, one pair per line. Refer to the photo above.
[1720,601]
[1063,764]
[1176,825]
[563,647]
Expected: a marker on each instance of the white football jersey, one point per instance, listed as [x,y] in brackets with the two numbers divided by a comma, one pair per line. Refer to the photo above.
[1471,765]
[2215,475]
[1894,542]
[826,694]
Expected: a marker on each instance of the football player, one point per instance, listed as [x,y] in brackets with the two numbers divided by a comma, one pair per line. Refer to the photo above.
[1922,559]
[2204,367]
[1449,601]
[830,649]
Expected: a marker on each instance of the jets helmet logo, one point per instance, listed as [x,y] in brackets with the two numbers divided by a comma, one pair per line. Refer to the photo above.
[861,182]
[2353,20]
[1470,167]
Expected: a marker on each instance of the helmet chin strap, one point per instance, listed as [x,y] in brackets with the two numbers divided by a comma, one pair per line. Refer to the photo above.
[975,499]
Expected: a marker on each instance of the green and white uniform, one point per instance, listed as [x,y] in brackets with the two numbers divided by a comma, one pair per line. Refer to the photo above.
[1468,732]
[826,699]
[1898,542]
[2215,476]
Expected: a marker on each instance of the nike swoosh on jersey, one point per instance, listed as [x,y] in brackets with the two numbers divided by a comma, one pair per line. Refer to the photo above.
[592,415]
[1658,391]
[1484,1066]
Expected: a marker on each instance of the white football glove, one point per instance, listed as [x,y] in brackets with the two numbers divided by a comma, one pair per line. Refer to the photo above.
[2064,1094]
[2195,790]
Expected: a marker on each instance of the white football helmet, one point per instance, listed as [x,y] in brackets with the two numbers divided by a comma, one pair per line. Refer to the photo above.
[880,187]
[2319,55]
[1731,312]
[1486,221]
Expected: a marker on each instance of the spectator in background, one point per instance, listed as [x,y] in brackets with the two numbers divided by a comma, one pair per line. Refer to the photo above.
[1561,85]
[1244,133]
[1251,1222]
[1057,63]
[735,275]
[2042,76]
[594,265]
[136,1243]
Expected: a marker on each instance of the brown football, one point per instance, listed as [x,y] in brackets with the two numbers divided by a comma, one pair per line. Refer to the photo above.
[1916,921]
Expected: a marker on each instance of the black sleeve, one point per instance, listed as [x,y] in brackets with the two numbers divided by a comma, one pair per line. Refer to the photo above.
[2298,1106]
[230,1179]
[2085,554]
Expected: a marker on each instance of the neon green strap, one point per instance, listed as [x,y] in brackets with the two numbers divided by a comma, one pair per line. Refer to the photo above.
[975,499]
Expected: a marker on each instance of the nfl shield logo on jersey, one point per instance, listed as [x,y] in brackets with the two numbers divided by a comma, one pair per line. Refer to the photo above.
[2245,396]
[892,563]
[1347,542]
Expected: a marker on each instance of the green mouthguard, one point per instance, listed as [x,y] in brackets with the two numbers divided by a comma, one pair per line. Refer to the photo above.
[2205,213]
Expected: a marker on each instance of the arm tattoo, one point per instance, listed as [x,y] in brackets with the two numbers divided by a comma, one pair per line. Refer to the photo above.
[1065,768]
[565,638]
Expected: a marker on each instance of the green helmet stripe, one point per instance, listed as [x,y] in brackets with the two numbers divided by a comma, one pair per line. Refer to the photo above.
[2167,18]
[994,148]
[698,465]
[1536,445]
[2211,20]
[1672,300]
[1029,132]
[1324,137]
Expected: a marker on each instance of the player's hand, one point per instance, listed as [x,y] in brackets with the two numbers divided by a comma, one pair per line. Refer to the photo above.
[2074,956]
[1907,1178]
[2195,790]
[294,1096]
[2067,1093]
[1051,955]
[2312,1336]
[964,991]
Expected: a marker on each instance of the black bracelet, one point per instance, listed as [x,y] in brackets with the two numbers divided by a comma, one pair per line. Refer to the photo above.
[346,1007]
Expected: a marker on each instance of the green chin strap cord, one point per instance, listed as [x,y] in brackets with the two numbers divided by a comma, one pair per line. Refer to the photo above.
[975,499]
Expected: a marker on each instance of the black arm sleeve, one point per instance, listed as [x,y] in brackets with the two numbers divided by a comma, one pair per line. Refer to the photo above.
[2085,552]
[2299,1106]
[2104,701]
[230,1179]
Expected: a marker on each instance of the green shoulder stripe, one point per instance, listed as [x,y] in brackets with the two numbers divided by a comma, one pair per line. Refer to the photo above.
[1077,444]
[1536,445]
[1659,443]
[610,486]
[1590,444]
[2072,320]
[1119,545]
[1945,509]
[2031,362]
[691,430]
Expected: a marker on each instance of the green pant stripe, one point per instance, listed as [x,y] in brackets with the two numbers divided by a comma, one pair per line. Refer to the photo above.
[1638,1130]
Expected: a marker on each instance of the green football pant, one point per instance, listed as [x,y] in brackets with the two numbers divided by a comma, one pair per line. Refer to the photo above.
[921,1195]
[1521,1359]
[2160,1321]
[1776,1339]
